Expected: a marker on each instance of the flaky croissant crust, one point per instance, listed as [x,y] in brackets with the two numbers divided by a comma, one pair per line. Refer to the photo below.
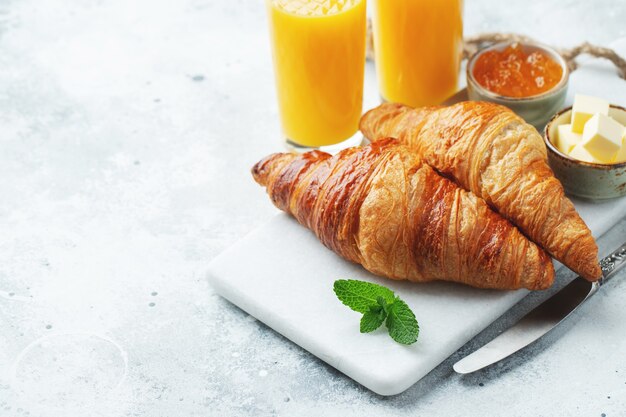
[380,206]
[487,149]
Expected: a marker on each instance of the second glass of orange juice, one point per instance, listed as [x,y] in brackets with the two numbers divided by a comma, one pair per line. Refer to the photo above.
[319,59]
[418,46]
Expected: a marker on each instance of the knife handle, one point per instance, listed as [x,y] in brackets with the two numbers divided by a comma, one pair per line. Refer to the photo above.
[612,263]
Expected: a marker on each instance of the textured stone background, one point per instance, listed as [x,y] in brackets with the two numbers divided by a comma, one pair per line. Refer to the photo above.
[127,129]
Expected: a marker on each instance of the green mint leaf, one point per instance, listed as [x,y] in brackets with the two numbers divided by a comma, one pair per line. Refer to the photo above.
[376,309]
[372,320]
[361,295]
[383,304]
[378,304]
[401,323]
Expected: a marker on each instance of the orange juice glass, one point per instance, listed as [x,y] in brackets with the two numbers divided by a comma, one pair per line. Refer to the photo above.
[418,46]
[319,58]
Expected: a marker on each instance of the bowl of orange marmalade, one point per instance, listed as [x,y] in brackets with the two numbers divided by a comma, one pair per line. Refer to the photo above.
[529,78]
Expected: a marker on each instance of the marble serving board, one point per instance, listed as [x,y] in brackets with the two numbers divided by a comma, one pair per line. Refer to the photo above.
[282,275]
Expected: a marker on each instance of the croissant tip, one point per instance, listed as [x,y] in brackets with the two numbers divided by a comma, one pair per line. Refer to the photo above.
[260,170]
[544,283]
[543,277]
[256,172]
[592,273]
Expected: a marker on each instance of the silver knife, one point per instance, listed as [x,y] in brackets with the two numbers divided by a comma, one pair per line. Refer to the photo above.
[543,318]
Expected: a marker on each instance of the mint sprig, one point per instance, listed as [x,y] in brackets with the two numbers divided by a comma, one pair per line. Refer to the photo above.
[378,305]
[360,295]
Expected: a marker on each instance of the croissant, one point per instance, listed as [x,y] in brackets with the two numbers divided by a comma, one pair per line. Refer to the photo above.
[382,207]
[487,149]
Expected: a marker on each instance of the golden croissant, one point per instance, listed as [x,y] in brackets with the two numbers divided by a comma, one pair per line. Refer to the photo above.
[487,149]
[382,207]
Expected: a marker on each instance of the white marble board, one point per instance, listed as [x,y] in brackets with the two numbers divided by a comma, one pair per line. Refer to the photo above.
[283,276]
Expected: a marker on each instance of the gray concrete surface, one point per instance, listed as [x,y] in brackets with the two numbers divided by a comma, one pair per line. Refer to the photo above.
[127,130]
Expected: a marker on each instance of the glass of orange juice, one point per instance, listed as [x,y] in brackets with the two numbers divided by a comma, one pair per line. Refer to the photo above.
[418,46]
[319,59]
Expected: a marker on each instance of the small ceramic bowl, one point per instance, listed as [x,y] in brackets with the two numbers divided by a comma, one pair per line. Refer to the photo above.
[536,110]
[585,179]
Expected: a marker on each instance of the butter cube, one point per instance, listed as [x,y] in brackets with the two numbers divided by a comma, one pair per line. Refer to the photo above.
[579,152]
[584,108]
[618,115]
[621,154]
[602,137]
[566,139]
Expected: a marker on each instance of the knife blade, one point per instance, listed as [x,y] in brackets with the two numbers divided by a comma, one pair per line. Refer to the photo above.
[543,318]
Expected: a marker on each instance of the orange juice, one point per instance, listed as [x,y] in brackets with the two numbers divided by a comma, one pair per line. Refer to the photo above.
[418,46]
[319,59]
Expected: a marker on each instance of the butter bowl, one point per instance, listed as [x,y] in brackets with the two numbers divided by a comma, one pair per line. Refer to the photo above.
[594,181]
[536,109]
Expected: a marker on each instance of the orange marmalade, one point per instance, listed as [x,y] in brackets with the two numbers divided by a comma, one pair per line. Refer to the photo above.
[512,72]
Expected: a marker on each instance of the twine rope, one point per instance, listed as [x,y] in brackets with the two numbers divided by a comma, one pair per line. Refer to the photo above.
[474,43]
